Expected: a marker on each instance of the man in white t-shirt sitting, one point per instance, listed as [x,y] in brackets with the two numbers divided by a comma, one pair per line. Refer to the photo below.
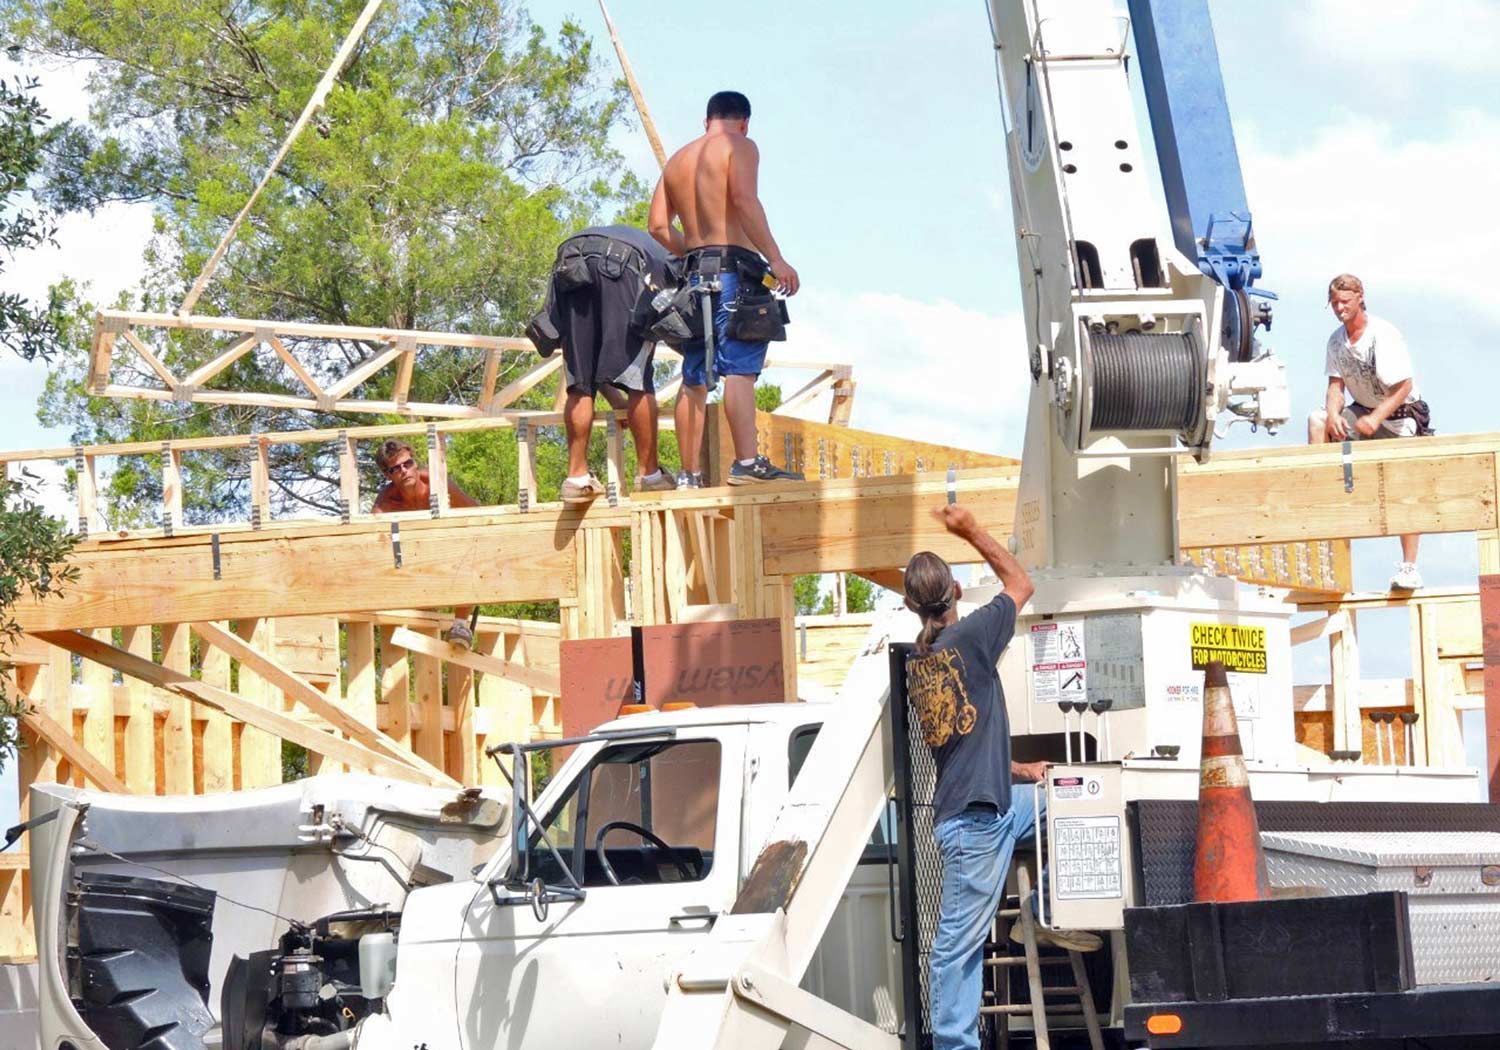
[1367,357]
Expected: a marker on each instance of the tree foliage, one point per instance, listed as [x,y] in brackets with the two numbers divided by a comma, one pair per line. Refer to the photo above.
[813,599]
[459,146]
[26,328]
[33,551]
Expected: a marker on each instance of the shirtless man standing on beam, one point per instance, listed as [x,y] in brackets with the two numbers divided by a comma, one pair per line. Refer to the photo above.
[710,185]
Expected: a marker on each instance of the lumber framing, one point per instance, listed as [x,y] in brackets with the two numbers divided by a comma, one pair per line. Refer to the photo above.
[252,714]
[299,689]
[539,680]
[121,332]
[848,524]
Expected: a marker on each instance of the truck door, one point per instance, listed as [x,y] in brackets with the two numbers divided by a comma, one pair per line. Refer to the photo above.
[591,973]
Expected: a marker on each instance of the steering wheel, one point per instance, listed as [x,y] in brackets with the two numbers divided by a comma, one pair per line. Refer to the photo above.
[649,836]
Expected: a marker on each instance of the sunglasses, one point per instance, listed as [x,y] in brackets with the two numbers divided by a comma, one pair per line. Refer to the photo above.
[399,468]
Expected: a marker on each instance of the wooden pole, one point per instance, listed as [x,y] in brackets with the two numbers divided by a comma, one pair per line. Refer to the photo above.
[319,95]
[635,90]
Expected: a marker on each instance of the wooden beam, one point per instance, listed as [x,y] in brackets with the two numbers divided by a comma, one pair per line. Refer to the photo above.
[486,383]
[86,484]
[407,365]
[304,437]
[216,754]
[214,365]
[305,693]
[353,566]
[171,488]
[365,371]
[890,579]
[61,740]
[302,374]
[260,485]
[541,681]
[311,331]
[395,687]
[106,331]
[811,389]
[152,361]
[138,736]
[263,718]
[1279,503]
[517,388]
[259,752]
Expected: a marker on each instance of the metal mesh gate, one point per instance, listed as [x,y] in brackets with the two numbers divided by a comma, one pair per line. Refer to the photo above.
[921,866]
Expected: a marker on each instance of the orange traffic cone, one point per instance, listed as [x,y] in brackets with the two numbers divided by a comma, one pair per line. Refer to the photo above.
[1228,864]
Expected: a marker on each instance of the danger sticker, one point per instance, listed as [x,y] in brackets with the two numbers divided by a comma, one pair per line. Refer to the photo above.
[1238,647]
[1059,664]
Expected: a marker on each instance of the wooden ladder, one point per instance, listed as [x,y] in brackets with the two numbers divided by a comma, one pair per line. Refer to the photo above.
[1079,1012]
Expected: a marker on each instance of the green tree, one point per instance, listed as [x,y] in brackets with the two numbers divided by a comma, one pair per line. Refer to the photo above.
[33,551]
[859,594]
[806,594]
[767,397]
[28,329]
[460,145]
[811,599]
[33,546]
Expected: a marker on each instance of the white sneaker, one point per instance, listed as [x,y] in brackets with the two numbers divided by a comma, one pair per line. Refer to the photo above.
[1407,577]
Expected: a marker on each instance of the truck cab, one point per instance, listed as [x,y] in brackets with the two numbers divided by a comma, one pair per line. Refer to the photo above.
[629,856]
[518,923]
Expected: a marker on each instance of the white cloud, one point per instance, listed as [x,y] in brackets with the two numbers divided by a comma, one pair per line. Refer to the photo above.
[102,251]
[1402,212]
[935,372]
[1454,35]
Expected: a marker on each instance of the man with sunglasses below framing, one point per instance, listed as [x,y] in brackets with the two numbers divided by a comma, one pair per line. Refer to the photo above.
[407,487]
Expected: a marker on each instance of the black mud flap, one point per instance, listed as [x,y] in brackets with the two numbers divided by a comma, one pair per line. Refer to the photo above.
[138,961]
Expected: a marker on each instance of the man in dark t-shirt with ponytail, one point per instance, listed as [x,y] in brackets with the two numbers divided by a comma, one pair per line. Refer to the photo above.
[953,683]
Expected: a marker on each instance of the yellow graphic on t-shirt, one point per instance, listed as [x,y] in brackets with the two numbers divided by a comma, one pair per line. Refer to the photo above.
[935,683]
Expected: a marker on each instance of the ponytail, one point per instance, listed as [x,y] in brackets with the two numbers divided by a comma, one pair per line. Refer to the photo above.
[930,592]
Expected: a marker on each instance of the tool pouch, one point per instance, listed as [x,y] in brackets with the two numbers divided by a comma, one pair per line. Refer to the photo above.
[675,321]
[571,271]
[757,316]
[612,265]
[543,334]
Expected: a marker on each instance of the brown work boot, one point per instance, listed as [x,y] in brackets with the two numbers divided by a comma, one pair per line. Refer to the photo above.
[579,492]
[1070,940]
[661,482]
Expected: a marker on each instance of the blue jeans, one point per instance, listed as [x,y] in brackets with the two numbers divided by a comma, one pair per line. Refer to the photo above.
[976,847]
[732,357]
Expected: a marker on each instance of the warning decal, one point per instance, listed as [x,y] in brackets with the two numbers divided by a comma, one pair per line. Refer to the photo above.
[1059,665]
[1239,648]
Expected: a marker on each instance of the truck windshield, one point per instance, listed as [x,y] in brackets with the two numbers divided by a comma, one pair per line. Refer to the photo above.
[639,814]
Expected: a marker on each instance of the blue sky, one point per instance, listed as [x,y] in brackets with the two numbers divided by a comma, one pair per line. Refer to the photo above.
[1369,135]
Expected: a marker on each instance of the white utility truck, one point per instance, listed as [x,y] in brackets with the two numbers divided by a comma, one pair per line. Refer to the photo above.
[724,878]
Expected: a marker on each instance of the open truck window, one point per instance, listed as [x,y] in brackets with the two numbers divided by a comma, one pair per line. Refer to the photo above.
[878,849]
[641,814]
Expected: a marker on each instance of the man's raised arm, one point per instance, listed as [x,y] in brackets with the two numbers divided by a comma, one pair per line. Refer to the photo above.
[1013,577]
